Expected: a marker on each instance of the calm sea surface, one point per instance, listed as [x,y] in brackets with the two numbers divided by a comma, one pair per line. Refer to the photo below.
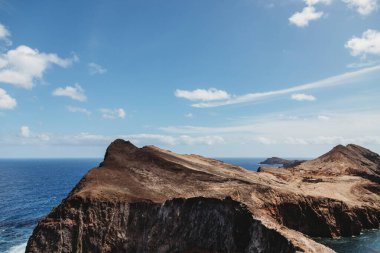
[29,189]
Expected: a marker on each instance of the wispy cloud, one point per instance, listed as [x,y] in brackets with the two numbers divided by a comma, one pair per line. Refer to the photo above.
[113,113]
[362,64]
[175,140]
[96,69]
[25,131]
[76,109]
[334,128]
[363,7]
[303,97]
[5,35]
[323,117]
[27,137]
[202,94]
[75,92]
[327,82]
[6,101]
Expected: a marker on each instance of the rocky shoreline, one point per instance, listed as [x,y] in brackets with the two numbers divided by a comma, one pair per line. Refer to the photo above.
[153,200]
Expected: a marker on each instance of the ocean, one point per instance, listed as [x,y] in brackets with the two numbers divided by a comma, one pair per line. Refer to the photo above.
[30,188]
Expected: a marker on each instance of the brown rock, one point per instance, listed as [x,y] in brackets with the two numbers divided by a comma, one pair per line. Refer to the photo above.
[152,200]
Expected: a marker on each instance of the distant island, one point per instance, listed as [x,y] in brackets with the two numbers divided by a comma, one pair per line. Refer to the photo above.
[153,200]
[284,162]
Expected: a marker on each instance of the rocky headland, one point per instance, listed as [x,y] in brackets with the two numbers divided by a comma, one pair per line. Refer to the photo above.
[153,200]
[284,162]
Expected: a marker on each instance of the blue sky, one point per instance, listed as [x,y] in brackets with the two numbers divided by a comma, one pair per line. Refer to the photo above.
[237,78]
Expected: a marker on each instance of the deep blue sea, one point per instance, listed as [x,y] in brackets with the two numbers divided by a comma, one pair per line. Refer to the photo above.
[30,188]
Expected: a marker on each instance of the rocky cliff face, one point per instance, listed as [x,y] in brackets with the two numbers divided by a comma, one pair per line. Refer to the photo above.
[177,225]
[153,200]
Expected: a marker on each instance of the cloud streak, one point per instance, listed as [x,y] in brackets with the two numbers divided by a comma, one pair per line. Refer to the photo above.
[303,97]
[314,129]
[324,83]
[75,92]
[202,94]
[27,137]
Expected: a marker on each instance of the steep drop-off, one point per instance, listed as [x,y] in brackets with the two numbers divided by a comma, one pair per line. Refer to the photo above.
[152,200]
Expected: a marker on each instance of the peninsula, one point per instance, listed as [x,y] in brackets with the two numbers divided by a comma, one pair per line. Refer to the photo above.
[153,200]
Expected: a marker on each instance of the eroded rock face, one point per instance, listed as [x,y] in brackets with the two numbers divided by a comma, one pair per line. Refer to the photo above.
[178,225]
[153,200]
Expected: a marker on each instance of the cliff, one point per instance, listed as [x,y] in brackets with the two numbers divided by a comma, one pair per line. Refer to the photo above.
[153,200]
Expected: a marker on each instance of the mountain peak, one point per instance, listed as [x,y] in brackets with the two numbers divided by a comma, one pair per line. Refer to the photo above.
[117,150]
[351,159]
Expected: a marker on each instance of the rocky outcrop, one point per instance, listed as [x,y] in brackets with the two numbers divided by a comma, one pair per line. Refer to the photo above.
[346,160]
[152,200]
[284,162]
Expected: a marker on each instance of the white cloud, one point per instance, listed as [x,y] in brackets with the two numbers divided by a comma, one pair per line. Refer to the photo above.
[5,35]
[202,94]
[369,43]
[75,92]
[328,82]
[314,2]
[151,138]
[189,115]
[323,117]
[174,140]
[121,113]
[362,64]
[265,140]
[78,109]
[23,65]
[95,69]
[317,129]
[303,97]
[25,132]
[113,113]
[363,7]
[302,19]
[309,13]
[200,140]
[26,137]
[6,101]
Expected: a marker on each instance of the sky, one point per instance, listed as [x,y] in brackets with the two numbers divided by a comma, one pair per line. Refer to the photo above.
[220,78]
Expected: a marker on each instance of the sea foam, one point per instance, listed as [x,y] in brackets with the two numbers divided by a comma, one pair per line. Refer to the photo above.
[18,248]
